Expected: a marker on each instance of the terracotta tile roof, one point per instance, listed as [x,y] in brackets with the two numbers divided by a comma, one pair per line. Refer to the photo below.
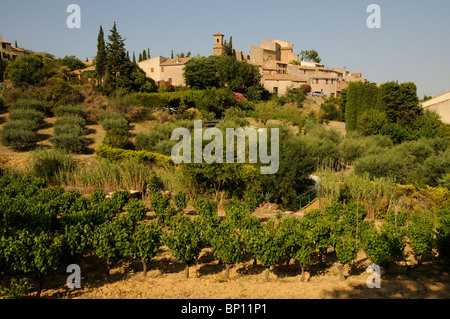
[16,49]
[176,61]
[4,41]
[283,77]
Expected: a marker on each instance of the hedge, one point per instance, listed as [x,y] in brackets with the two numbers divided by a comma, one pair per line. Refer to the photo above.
[118,154]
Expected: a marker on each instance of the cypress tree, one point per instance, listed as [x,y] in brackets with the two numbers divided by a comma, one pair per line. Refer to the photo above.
[119,65]
[117,56]
[134,57]
[140,57]
[171,55]
[148,53]
[101,56]
[144,55]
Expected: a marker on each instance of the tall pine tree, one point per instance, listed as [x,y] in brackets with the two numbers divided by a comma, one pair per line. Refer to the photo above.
[100,60]
[144,55]
[119,64]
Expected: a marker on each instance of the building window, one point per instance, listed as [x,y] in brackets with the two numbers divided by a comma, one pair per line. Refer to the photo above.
[326,81]
[317,81]
[152,70]
[275,90]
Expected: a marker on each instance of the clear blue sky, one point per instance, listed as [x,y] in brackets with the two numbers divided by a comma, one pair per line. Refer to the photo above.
[412,45]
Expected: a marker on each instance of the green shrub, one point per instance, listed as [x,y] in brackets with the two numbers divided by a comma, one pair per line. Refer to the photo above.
[157,140]
[62,129]
[291,114]
[27,114]
[397,133]
[48,163]
[180,200]
[354,146]
[26,104]
[64,110]
[371,121]
[74,120]
[111,153]
[110,115]
[21,140]
[27,125]
[420,232]
[382,248]
[120,123]
[160,204]
[118,138]
[58,92]
[443,234]
[389,163]
[207,209]
[70,142]
[329,111]
[18,289]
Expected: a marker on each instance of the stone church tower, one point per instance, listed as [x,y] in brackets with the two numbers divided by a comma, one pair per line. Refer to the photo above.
[219,48]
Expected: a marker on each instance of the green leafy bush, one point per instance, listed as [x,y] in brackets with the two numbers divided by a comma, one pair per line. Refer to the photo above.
[18,139]
[420,232]
[383,248]
[180,200]
[27,104]
[145,243]
[27,114]
[62,129]
[49,163]
[118,154]
[118,138]
[58,92]
[371,121]
[69,110]
[184,240]
[70,142]
[118,123]
[227,246]
[397,133]
[73,120]
[264,244]
[160,204]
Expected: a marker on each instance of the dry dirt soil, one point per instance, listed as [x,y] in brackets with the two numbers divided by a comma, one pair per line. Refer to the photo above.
[166,277]
[166,280]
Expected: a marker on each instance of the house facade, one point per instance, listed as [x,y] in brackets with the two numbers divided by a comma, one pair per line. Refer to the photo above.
[441,105]
[163,69]
[9,52]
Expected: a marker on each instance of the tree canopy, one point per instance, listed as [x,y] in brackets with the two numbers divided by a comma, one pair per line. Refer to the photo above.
[221,71]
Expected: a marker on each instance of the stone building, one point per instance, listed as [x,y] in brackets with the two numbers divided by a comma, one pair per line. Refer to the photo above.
[280,68]
[441,105]
[9,52]
[163,69]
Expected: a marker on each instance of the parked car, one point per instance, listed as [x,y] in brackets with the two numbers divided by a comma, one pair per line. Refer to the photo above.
[318,93]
